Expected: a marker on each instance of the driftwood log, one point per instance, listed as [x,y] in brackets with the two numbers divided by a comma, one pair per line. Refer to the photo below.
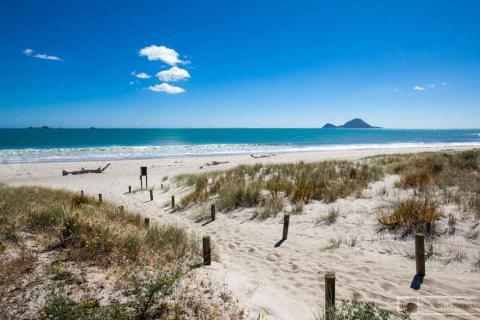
[213,163]
[262,156]
[83,170]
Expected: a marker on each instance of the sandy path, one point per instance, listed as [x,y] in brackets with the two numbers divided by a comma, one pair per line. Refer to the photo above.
[287,281]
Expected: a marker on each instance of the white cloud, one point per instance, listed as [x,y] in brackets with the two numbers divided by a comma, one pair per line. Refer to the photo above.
[141,75]
[161,53]
[173,74]
[418,88]
[41,56]
[47,57]
[444,84]
[167,88]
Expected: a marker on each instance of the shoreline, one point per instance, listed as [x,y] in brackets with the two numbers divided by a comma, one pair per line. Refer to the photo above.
[283,150]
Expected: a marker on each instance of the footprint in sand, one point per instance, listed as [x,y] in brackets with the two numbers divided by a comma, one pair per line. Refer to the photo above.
[387,286]
[251,250]
[363,269]
[231,246]
[273,256]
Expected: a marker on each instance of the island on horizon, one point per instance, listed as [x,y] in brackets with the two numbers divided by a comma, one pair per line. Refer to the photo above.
[356,123]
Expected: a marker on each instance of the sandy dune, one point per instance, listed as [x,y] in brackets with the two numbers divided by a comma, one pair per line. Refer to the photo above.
[286,282]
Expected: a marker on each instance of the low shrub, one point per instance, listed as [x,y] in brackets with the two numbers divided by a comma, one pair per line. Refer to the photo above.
[60,308]
[357,310]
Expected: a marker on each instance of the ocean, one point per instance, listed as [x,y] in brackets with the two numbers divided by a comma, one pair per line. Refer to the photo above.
[47,145]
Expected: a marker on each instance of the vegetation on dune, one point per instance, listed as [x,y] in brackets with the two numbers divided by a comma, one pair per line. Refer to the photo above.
[455,174]
[148,262]
[330,218]
[66,309]
[356,310]
[87,231]
[411,215]
[265,187]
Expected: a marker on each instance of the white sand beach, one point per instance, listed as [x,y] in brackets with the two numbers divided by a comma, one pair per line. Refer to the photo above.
[287,282]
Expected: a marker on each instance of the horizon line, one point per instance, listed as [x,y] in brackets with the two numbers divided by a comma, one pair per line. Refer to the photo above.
[223,128]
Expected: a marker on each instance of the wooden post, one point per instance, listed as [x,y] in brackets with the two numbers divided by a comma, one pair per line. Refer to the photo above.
[147,222]
[121,209]
[207,259]
[420,254]
[212,211]
[428,228]
[286,221]
[161,185]
[129,189]
[100,198]
[329,295]
[173,202]
[81,193]
[151,195]
[143,173]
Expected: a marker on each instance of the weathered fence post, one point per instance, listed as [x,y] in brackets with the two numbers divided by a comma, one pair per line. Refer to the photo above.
[286,221]
[100,198]
[121,209]
[143,173]
[420,254]
[207,259]
[151,195]
[81,193]
[329,295]
[173,202]
[129,189]
[212,211]
[147,222]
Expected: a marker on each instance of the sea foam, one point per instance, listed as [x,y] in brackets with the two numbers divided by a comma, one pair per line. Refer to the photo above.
[170,151]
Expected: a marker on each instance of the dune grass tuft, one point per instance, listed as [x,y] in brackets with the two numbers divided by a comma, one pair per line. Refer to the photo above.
[411,215]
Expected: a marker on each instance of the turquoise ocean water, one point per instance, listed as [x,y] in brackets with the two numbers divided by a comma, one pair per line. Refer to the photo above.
[37,145]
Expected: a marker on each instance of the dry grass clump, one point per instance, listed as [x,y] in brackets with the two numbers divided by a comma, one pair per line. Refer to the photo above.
[418,180]
[411,215]
[262,186]
[330,218]
[270,207]
[457,174]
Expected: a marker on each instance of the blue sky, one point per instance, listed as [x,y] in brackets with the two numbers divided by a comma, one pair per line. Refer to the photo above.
[399,64]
